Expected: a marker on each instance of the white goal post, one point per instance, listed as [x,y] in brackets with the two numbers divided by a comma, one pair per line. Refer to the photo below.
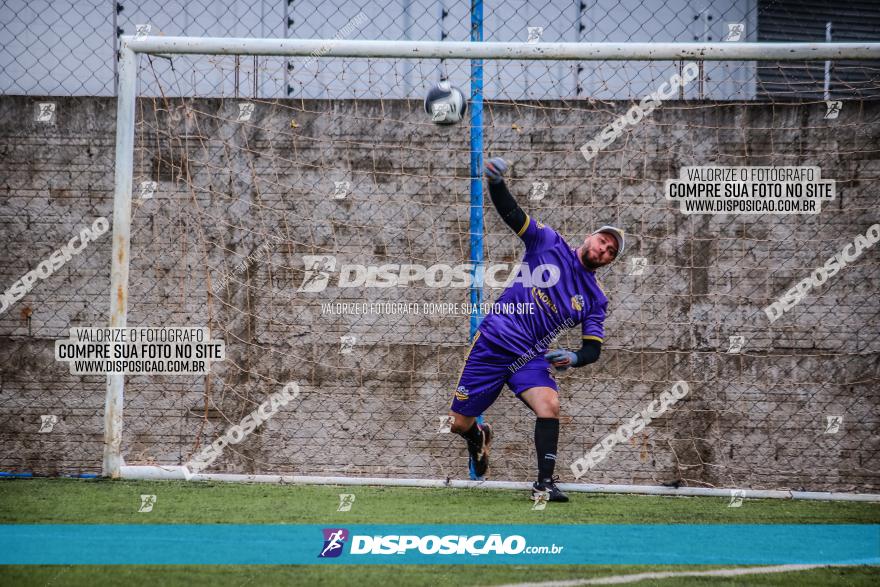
[131,47]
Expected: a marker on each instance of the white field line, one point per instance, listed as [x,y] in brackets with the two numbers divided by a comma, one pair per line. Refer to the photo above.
[635,578]
[170,472]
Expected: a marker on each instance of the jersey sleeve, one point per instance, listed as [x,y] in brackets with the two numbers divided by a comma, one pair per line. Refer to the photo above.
[593,327]
[536,235]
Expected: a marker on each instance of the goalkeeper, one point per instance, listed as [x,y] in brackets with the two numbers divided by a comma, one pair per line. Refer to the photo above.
[511,348]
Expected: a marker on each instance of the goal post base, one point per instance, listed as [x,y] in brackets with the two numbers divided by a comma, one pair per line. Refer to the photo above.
[176,473]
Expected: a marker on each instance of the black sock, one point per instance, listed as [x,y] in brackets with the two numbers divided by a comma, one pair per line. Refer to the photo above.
[546,440]
[474,438]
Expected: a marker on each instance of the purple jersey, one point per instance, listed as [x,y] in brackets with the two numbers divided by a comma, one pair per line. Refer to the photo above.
[576,298]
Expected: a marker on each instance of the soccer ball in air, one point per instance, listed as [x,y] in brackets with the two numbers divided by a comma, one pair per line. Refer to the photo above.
[445,104]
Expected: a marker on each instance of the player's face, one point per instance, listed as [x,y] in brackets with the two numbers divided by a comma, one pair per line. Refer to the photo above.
[599,249]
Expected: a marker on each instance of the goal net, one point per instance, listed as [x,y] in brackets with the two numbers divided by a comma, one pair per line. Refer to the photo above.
[308,211]
[325,238]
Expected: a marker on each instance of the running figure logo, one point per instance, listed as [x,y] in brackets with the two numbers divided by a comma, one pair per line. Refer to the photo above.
[317,274]
[334,540]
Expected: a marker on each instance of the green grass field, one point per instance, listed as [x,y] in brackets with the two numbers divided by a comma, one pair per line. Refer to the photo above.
[66,501]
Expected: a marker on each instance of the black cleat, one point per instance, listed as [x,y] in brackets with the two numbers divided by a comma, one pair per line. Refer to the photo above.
[548,486]
[480,460]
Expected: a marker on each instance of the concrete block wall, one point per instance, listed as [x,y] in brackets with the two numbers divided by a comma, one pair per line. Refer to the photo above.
[228,189]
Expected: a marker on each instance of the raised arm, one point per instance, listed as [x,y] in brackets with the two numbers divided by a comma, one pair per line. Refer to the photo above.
[510,212]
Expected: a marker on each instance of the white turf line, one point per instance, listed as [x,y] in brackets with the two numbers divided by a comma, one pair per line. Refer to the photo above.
[635,578]
[175,472]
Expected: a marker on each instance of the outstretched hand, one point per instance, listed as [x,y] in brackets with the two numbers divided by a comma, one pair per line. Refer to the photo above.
[495,169]
[560,358]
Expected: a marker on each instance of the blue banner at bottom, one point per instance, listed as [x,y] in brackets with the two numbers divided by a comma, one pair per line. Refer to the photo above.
[440,544]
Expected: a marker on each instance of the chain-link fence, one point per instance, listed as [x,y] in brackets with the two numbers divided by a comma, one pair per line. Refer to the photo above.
[248,194]
[67,48]
[240,190]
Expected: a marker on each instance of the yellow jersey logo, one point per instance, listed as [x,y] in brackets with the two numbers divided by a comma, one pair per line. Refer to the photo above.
[577,302]
[540,295]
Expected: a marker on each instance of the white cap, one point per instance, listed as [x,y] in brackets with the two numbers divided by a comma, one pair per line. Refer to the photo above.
[617,233]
